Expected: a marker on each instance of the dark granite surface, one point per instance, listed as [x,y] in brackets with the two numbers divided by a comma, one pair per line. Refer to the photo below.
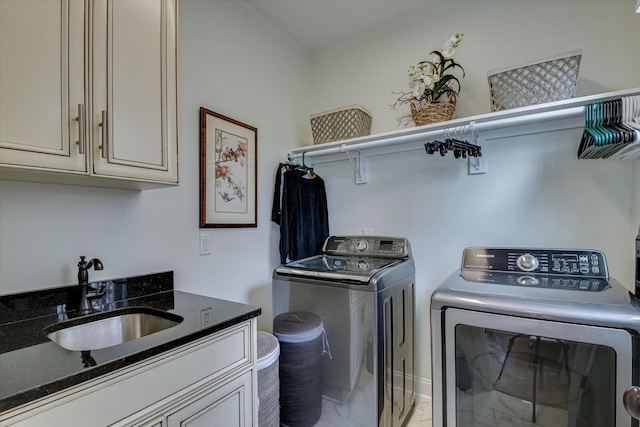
[32,366]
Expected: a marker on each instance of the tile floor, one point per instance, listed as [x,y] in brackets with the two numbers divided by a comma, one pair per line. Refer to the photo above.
[500,411]
[485,409]
[339,416]
[421,414]
[491,409]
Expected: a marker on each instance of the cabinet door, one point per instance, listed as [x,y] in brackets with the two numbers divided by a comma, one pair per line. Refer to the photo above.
[42,79]
[156,422]
[230,405]
[134,114]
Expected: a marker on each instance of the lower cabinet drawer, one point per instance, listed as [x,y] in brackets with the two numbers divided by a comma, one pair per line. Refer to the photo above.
[226,406]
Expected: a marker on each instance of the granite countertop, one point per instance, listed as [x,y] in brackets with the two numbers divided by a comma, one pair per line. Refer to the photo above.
[32,366]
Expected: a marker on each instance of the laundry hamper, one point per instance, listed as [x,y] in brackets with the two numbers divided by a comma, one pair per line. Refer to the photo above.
[302,338]
[268,380]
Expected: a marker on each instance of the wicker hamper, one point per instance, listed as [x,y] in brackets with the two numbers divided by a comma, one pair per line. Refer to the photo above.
[268,380]
[550,79]
[342,123]
[300,334]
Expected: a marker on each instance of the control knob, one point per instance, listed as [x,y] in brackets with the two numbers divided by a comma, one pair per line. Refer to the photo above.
[527,262]
[362,245]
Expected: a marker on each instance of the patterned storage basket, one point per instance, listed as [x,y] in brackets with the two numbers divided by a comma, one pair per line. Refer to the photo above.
[268,380]
[550,79]
[301,337]
[342,123]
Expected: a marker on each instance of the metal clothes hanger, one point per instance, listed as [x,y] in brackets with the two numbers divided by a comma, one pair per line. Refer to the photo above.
[459,148]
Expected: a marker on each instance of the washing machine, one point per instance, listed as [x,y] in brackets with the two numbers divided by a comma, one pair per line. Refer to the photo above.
[525,336]
[363,289]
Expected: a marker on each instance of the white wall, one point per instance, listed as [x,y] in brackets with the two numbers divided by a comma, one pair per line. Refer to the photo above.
[635,57]
[535,193]
[232,61]
[367,68]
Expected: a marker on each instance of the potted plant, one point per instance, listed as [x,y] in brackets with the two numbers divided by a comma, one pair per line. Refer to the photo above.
[434,89]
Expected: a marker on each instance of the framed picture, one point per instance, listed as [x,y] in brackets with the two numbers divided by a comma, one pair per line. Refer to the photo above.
[228,172]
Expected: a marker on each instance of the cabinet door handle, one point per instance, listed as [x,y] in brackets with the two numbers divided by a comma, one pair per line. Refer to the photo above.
[82,129]
[103,125]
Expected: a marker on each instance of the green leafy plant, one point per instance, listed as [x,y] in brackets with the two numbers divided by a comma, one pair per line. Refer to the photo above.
[430,80]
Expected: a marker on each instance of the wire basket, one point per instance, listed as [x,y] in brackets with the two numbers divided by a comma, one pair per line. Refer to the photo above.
[342,123]
[550,79]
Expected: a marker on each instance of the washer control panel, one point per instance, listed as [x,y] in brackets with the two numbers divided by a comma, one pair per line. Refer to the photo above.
[374,246]
[571,262]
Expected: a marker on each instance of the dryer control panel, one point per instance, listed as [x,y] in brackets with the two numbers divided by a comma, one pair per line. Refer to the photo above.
[570,262]
[369,246]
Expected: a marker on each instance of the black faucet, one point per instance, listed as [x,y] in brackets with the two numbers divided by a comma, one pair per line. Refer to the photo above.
[84,306]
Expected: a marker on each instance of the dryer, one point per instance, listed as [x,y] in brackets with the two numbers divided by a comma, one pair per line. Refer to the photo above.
[532,336]
[363,289]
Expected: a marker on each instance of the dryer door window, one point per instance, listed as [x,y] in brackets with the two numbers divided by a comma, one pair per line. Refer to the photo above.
[504,370]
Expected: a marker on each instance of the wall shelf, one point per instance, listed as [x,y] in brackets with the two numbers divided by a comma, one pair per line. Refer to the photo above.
[547,117]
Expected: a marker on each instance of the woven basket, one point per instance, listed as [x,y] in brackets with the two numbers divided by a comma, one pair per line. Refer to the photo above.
[550,79]
[433,112]
[343,123]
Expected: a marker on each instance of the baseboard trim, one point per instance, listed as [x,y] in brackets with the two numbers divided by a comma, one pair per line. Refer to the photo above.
[423,387]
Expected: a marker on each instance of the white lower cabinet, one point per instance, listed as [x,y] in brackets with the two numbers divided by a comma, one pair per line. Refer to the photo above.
[210,382]
[222,406]
[225,404]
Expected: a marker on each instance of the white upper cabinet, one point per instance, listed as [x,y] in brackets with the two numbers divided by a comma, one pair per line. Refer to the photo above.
[134,89]
[42,84]
[88,88]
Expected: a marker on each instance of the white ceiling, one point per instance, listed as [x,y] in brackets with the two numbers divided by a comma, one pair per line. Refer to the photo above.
[319,23]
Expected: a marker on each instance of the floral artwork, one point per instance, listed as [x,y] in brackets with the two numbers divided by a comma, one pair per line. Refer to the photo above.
[231,172]
[228,172]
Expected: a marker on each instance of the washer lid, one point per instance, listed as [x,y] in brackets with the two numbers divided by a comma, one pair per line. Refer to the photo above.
[338,268]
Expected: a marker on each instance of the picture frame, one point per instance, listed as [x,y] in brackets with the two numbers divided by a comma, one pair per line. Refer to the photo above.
[228,172]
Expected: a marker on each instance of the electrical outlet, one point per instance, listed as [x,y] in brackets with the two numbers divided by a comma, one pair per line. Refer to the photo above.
[205,244]
[205,317]
[367,231]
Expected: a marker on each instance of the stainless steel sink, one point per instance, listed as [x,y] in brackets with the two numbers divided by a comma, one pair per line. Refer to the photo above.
[110,328]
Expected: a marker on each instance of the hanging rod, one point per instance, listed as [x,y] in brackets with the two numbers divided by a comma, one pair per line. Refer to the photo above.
[438,133]
[558,110]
